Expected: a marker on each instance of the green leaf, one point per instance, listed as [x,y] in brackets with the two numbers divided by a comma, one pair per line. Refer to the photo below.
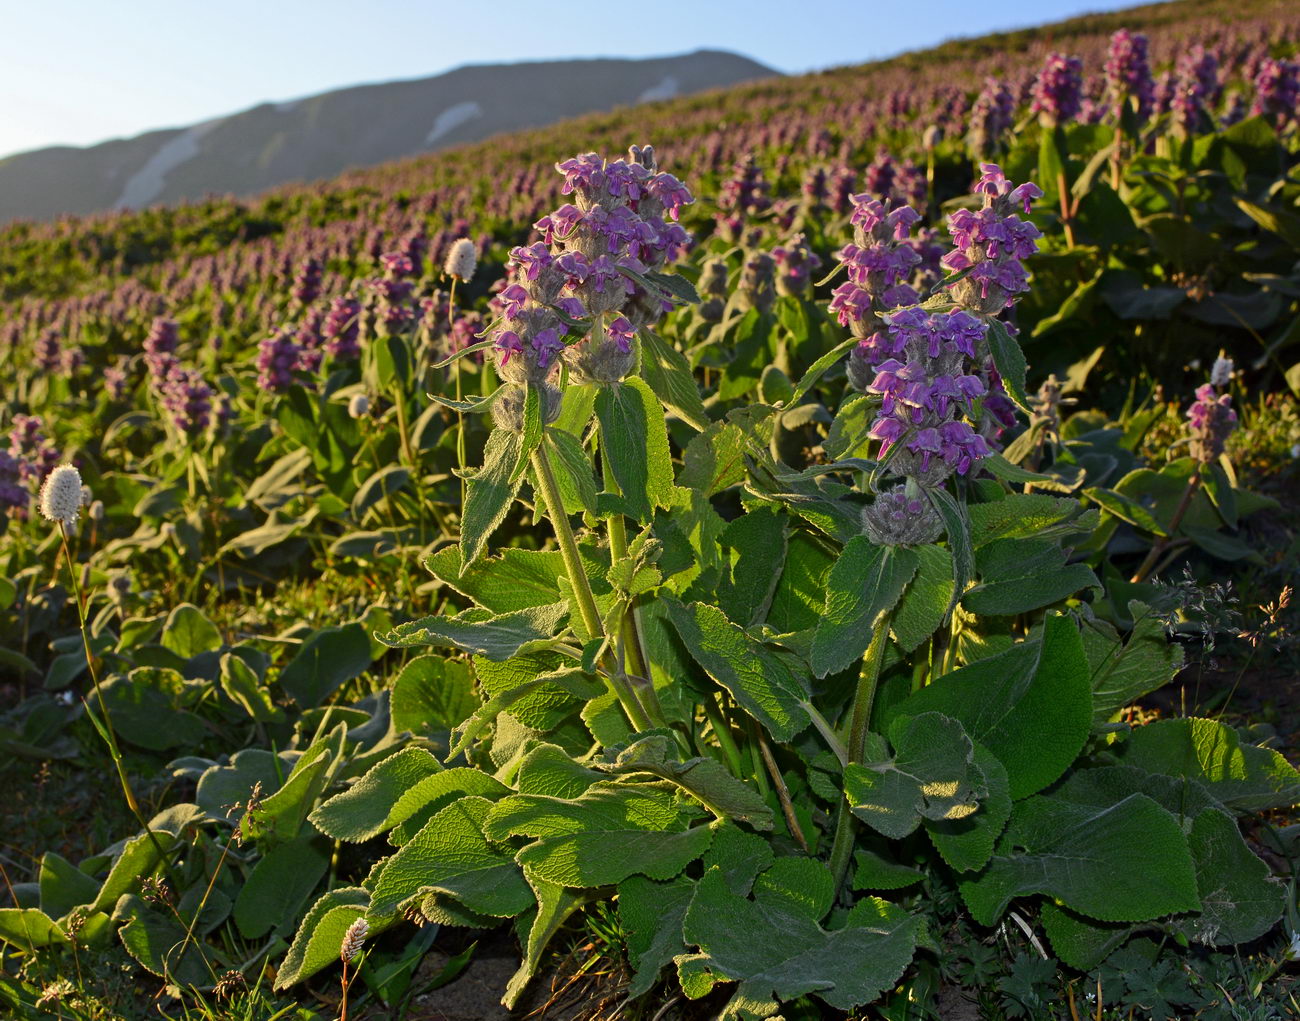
[497,637]
[279,885]
[243,687]
[758,540]
[451,855]
[675,285]
[1125,862]
[926,600]
[714,460]
[650,916]
[1081,942]
[421,802]
[515,580]
[705,779]
[531,437]
[873,872]
[1024,515]
[1009,360]
[864,584]
[635,446]
[146,706]
[432,693]
[138,858]
[967,844]
[321,933]
[188,632]
[489,493]
[1247,778]
[381,484]
[611,832]
[573,472]
[847,968]
[567,684]
[957,526]
[669,375]
[554,906]
[929,777]
[818,369]
[1018,575]
[158,943]
[63,886]
[550,687]
[1031,706]
[327,660]
[1124,671]
[364,809]
[758,679]
[281,816]
[1240,899]
[29,928]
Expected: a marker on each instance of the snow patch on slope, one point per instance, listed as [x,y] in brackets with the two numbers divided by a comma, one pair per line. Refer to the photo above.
[147,183]
[452,118]
[666,89]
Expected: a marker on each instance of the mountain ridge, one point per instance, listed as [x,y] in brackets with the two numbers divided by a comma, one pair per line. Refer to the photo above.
[328,133]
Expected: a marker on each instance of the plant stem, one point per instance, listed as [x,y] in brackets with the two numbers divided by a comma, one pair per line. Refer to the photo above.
[782,791]
[460,416]
[1154,554]
[1067,216]
[722,731]
[863,700]
[579,582]
[110,736]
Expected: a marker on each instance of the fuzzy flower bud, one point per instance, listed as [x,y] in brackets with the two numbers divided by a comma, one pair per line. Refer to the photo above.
[508,408]
[1221,373]
[896,519]
[462,260]
[358,406]
[354,939]
[1211,421]
[61,495]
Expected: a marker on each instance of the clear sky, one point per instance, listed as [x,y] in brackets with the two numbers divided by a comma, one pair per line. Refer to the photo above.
[82,71]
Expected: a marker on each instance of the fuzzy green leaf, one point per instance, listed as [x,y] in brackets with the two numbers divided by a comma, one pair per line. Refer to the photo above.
[326,661]
[497,637]
[363,810]
[1240,899]
[1031,706]
[321,933]
[758,679]
[926,600]
[1124,671]
[515,580]
[635,439]
[611,832]
[489,493]
[279,884]
[864,584]
[432,693]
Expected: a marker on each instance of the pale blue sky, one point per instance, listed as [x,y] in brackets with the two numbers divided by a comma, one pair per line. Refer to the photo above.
[81,71]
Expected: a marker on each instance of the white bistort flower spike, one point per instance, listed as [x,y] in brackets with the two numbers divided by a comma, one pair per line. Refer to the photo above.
[61,494]
[462,260]
[359,406]
[1221,373]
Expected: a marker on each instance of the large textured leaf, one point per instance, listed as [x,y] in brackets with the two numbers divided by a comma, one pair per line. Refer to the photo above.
[63,886]
[930,776]
[1240,899]
[650,915]
[425,799]
[497,637]
[279,884]
[611,832]
[865,582]
[758,540]
[327,660]
[967,844]
[489,493]
[555,904]
[364,809]
[1247,778]
[1018,575]
[1123,671]
[847,967]
[926,600]
[321,933]
[543,705]
[1126,862]
[570,685]
[1024,515]
[138,858]
[281,815]
[669,375]
[514,580]
[188,632]
[635,439]
[758,679]
[1082,942]
[705,779]
[1031,706]
[432,693]
[450,855]
[29,928]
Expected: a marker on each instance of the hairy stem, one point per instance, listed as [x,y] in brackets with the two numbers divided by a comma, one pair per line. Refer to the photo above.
[579,582]
[860,721]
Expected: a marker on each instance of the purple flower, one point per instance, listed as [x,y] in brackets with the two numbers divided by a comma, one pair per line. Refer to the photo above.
[1277,92]
[1210,421]
[277,359]
[1058,89]
[342,328]
[1128,73]
[622,333]
[991,242]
